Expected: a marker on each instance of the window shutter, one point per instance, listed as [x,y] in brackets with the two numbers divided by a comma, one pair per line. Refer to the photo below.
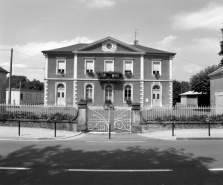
[61,65]
[109,66]
[156,66]
[128,66]
[89,65]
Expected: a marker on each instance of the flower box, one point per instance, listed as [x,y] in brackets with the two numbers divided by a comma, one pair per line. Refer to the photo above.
[135,106]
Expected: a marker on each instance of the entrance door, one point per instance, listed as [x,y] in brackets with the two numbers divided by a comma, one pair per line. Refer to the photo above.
[60,94]
[219,103]
[156,96]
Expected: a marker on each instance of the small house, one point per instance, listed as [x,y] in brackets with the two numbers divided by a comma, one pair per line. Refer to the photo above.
[3,74]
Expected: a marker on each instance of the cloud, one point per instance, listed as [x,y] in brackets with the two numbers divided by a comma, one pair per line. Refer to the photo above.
[99,3]
[209,17]
[21,62]
[191,68]
[166,41]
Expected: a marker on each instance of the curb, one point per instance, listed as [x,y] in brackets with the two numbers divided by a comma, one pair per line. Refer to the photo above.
[38,139]
[199,138]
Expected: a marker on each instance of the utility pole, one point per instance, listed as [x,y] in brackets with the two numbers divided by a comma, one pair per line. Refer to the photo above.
[10,77]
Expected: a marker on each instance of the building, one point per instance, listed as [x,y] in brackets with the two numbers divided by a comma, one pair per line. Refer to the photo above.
[191,98]
[108,69]
[25,96]
[216,87]
[3,74]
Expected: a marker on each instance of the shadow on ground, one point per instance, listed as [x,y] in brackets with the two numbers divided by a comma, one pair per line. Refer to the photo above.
[48,164]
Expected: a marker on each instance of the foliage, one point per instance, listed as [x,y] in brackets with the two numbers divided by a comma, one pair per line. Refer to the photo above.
[128,101]
[109,75]
[108,102]
[4,116]
[200,82]
[179,88]
[221,52]
[128,74]
[157,75]
[24,83]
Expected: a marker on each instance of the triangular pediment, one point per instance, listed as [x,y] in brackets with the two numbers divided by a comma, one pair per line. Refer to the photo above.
[109,45]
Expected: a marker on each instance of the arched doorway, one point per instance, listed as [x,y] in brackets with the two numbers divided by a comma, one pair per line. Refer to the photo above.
[60,94]
[156,95]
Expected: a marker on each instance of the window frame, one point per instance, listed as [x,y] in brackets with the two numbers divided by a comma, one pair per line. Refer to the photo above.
[112,64]
[85,65]
[124,92]
[160,66]
[124,62]
[85,90]
[57,65]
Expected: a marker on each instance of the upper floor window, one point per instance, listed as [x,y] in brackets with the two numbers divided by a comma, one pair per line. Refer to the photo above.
[89,66]
[109,65]
[156,67]
[128,66]
[61,66]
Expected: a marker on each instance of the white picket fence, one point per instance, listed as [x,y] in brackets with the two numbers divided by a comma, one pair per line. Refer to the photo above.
[38,109]
[190,111]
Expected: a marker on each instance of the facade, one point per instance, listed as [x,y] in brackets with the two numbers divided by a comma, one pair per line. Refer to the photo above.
[191,98]
[111,70]
[216,87]
[25,96]
[3,78]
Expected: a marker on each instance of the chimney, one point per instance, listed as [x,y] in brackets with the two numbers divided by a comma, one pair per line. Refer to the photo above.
[136,42]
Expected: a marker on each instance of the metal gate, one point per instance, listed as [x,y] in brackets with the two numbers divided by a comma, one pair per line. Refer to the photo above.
[98,119]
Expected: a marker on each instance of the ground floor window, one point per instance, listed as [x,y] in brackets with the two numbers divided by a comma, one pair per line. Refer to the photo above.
[108,92]
[128,93]
[89,92]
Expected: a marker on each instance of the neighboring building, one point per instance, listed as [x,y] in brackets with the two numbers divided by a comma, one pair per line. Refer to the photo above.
[125,72]
[216,87]
[3,78]
[191,98]
[25,96]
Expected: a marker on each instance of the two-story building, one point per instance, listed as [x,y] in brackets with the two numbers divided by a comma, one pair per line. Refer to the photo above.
[108,69]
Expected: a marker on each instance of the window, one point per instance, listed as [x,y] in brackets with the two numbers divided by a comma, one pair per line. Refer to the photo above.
[89,66]
[128,93]
[128,66]
[108,93]
[109,65]
[156,67]
[89,92]
[61,66]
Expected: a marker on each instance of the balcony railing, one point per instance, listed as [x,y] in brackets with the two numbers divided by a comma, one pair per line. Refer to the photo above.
[109,76]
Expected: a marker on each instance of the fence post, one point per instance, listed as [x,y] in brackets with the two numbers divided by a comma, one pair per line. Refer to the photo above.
[172,128]
[82,116]
[55,131]
[135,128]
[19,128]
[209,129]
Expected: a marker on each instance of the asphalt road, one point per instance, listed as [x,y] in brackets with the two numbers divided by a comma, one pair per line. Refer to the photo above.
[90,161]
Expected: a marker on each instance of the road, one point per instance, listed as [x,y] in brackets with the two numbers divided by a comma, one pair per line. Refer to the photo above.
[94,161]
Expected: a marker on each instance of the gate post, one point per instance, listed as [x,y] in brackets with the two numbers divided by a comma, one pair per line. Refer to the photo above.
[82,116]
[136,128]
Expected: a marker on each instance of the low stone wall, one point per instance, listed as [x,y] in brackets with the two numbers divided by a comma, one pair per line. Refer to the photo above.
[60,126]
[150,127]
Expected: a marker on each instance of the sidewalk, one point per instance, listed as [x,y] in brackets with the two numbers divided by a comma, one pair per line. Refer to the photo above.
[11,133]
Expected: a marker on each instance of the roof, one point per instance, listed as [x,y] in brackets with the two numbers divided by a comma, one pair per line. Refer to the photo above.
[68,49]
[217,72]
[80,47]
[3,70]
[152,50]
[190,93]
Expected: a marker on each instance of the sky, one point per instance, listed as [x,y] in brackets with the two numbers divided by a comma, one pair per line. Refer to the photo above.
[189,28]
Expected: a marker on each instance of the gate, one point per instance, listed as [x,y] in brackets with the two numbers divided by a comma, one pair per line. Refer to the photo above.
[98,119]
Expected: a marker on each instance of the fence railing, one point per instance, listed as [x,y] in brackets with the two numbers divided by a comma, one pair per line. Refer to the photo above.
[181,113]
[38,110]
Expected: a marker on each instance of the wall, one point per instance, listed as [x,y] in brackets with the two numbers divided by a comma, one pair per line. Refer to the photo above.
[3,87]
[216,85]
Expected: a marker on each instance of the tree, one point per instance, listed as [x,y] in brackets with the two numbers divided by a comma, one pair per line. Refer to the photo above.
[200,82]
[221,52]
[179,87]
[24,83]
